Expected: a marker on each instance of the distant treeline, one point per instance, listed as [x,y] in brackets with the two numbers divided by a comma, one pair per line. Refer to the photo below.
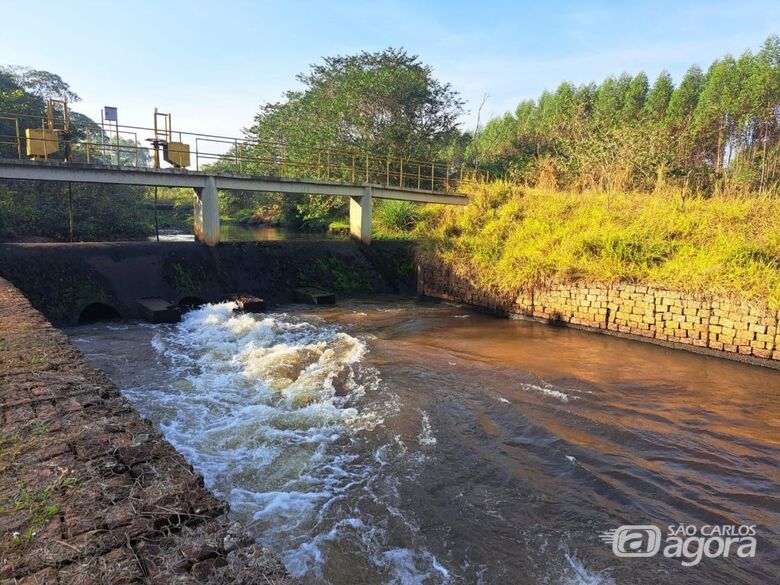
[717,131]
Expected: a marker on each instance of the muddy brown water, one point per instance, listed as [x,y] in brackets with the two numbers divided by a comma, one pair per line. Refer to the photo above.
[393,441]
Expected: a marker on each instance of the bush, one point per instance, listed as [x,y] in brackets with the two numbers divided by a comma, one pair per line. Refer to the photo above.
[396,216]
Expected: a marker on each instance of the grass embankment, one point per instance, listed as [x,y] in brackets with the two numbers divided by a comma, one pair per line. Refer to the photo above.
[514,237]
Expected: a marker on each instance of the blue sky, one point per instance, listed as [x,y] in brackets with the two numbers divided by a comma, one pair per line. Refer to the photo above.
[211,64]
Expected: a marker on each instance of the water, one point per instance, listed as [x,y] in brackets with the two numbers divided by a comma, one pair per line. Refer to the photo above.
[391,441]
[233,232]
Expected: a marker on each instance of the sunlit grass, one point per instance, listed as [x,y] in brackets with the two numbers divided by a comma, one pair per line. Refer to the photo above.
[514,237]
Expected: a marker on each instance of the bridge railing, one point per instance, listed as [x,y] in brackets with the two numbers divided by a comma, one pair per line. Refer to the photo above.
[133,146]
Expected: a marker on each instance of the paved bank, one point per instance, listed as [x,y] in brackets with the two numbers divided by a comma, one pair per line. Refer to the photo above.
[719,327]
[90,493]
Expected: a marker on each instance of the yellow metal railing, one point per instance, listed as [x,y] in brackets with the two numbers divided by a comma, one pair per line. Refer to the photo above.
[88,144]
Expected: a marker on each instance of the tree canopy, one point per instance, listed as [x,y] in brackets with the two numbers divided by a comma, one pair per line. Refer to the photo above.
[386,102]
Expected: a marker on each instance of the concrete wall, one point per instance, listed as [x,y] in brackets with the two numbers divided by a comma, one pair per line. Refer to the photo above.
[61,280]
[718,326]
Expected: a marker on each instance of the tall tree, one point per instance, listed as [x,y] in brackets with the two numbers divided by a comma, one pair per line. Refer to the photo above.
[383,102]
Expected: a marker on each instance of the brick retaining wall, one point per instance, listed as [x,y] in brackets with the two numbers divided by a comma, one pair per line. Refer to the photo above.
[724,326]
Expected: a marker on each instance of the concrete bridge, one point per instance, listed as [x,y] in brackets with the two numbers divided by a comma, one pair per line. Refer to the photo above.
[206,186]
[54,148]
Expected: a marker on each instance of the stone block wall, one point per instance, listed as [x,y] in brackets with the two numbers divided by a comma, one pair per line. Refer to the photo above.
[673,317]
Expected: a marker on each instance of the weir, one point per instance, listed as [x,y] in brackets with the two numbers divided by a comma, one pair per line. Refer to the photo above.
[63,280]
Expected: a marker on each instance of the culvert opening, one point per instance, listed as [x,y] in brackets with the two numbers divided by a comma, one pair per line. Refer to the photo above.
[96,312]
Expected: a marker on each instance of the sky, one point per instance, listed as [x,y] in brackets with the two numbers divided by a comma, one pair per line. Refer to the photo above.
[212,64]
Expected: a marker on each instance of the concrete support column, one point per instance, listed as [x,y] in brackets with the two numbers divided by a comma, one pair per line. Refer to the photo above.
[207,213]
[360,216]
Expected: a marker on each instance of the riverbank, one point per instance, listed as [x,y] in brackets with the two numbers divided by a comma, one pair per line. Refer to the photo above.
[698,274]
[511,237]
[89,492]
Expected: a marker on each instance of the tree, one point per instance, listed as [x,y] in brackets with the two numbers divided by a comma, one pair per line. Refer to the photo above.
[384,102]
[682,108]
[635,97]
[42,84]
[103,212]
[658,98]
[713,119]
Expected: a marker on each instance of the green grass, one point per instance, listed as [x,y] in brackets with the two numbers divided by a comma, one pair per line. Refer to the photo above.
[513,237]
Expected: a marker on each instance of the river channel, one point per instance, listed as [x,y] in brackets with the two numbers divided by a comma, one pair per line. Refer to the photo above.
[395,441]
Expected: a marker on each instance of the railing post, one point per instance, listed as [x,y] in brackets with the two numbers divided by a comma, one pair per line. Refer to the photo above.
[18,140]
[433,177]
[401,173]
[419,175]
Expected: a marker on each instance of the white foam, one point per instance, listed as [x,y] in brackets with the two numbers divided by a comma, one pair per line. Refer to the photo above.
[550,391]
[426,437]
[267,409]
[582,576]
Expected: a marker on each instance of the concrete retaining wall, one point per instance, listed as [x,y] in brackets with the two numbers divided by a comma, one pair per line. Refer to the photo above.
[61,280]
[719,326]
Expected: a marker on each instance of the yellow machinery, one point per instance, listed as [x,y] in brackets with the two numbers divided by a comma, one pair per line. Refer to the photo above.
[175,153]
[43,142]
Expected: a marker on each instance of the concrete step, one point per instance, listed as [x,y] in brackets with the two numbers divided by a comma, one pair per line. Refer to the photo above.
[157,310]
[315,296]
[249,303]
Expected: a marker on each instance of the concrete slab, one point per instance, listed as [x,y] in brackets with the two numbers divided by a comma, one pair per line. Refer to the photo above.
[157,310]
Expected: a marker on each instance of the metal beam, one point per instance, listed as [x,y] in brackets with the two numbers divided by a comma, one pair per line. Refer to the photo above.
[287,185]
[418,196]
[42,171]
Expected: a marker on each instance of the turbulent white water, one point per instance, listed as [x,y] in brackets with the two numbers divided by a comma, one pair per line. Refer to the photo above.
[272,411]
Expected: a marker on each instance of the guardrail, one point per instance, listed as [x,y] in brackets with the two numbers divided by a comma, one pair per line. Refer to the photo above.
[123,145]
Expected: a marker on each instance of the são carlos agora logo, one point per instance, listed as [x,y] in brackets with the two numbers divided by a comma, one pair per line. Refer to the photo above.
[686,542]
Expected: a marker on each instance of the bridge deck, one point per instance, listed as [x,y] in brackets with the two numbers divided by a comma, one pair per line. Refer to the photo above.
[13,169]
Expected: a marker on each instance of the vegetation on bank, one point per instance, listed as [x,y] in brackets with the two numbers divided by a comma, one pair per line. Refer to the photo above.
[513,237]
[716,131]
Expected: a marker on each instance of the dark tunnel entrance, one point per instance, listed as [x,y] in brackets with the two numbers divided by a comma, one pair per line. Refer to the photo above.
[96,312]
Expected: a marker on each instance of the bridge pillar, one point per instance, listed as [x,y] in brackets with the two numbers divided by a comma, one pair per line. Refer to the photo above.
[360,216]
[206,214]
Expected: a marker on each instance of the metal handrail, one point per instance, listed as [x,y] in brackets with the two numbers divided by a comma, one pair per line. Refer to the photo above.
[255,156]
